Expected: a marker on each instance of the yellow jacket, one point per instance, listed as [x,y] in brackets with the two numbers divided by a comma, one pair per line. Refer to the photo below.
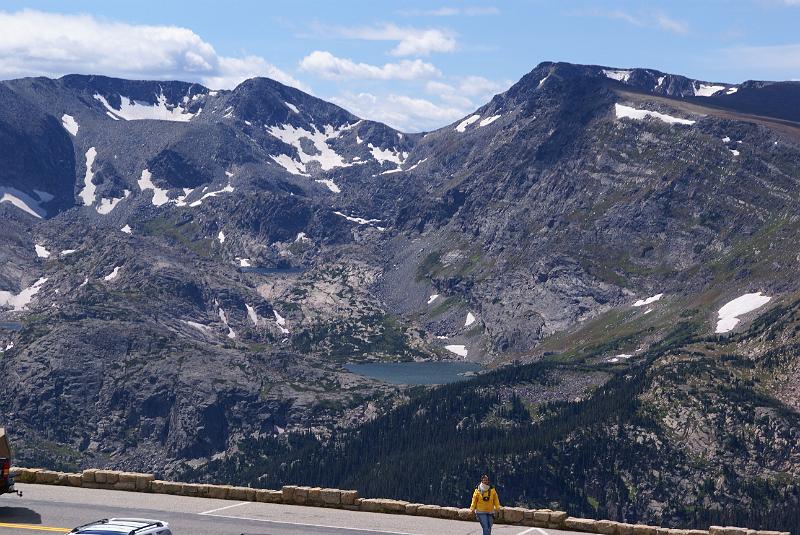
[481,504]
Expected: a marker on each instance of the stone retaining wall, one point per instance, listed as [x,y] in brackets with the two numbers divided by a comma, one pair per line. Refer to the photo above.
[348,499]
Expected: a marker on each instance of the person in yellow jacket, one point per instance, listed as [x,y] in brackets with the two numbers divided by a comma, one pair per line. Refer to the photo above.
[484,503]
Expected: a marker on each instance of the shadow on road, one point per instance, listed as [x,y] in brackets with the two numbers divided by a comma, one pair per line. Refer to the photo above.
[20,515]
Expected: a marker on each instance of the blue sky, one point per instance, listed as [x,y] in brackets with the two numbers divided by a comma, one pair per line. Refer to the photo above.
[416,65]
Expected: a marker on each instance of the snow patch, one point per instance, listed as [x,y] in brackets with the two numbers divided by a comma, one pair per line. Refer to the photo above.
[135,110]
[67,252]
[113,275]
[244,262]
[470,319]
[731,90]
[69,124]
[726,139]
[432,298]
[106,205]
[127,229]
[280,321]
[488,120]
[41,251]
[386,155]
[618,75]
[292,107]
[87,194]
[221,237]
[633,113]
[224,319]
[416,164]
[730,312]
[543,80]
[327,157]
[302,238]
[293,166]
[462,126]
[360,220]
[23,298]
[734,152]
[459,350]
[160,196]
[251,313]
[199,326]
[226,189]
[643,302]
[706,90]
[331,185]
[21,200]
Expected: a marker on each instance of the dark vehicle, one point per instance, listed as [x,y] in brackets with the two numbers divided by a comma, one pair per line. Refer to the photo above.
[6,476]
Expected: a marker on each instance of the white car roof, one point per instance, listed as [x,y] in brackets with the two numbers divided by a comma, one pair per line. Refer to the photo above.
[120,525]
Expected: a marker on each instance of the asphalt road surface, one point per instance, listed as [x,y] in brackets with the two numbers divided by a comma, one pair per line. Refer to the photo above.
[51,509]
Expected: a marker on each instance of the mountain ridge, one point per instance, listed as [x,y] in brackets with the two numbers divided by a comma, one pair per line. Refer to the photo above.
[192,280]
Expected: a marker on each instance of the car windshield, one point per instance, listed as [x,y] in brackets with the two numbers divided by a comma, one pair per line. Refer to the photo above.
[100,531]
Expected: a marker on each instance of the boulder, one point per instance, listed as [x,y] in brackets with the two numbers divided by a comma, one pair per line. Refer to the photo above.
[88,476]
[171,487]
[143,481]
[244,494]
[269,496]
[606,527]
[314,495]
[513,515]
[349,497]
[450,513]
[288,493]
[75,480]
[556,520]
[300,495]
[190,489]
[730,530]
[428,510]
[126,481]
[219,492]
[379,505]
[580,524]
[464,514]
[541,515]
[624,529]
[411,508]
[331,497]
[46,477]
[641,529]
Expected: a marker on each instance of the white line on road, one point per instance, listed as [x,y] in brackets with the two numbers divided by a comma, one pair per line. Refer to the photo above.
[527,531]
[343,528]
[223,508]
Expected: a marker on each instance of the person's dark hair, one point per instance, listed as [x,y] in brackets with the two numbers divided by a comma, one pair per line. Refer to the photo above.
[484,475]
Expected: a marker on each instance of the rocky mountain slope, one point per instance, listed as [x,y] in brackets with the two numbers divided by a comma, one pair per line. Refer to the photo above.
[185,272]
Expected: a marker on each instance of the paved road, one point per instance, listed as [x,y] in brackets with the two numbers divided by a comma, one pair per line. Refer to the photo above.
[50,509]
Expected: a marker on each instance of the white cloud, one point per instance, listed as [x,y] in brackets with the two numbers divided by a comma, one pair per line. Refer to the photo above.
[326,65]
[666,22]
[644,19]
[410,41]
[36,43]
[448,11]
[469,92]
[399,111]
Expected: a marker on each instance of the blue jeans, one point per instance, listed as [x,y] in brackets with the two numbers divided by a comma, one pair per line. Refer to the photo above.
[486,520]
